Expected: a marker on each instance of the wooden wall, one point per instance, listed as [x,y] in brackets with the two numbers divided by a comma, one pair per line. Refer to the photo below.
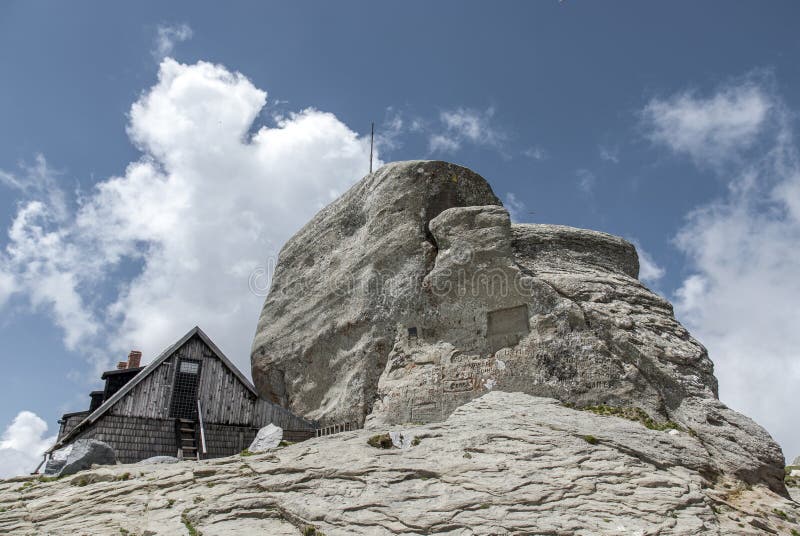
[70,421]
[135,438]
[223,398]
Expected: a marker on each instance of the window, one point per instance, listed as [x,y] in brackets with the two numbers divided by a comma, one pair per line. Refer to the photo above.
[189,367]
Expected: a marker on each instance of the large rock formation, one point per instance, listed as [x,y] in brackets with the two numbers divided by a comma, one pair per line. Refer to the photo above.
[503,464]
[413,294]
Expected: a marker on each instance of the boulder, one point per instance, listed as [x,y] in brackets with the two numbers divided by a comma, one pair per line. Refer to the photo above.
[85,453]
[57,461]
[346,283]
[413,294]
[267,438]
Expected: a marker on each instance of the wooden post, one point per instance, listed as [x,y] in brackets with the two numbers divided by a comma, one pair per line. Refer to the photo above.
[371,142]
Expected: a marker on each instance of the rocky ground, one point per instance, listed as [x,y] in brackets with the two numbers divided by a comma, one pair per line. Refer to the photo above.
[503,464]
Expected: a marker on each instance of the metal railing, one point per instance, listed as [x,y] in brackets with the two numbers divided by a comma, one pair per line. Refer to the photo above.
[202,428]
[337,428]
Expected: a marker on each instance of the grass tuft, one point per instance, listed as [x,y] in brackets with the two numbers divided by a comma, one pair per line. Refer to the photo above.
[189,527]
[591,439]
[633,414]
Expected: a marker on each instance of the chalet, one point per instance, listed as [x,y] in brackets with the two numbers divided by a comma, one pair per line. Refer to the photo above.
[190,402]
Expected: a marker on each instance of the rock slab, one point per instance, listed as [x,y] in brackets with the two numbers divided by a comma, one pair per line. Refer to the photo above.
[82,454]
[503,464]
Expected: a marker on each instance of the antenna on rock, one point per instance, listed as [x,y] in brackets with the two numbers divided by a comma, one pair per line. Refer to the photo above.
[371,142]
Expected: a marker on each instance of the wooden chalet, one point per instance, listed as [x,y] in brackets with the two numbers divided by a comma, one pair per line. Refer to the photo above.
[190,402]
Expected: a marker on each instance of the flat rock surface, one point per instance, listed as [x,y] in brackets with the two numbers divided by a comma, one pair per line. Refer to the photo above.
[505,463]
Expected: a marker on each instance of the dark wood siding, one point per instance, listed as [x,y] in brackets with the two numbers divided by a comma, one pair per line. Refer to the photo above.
[150,398]
[223,397]
[135,438]
[70,421]
[139,426]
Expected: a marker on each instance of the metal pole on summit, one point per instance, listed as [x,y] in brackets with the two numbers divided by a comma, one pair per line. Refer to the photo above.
[371,142]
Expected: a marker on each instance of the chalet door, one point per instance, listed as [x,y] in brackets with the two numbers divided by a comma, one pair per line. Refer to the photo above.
[184,392]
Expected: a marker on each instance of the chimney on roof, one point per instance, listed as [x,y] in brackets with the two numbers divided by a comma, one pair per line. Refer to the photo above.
[134,359]
[122,365]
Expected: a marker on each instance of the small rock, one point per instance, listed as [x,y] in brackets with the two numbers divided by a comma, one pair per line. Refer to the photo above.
[161,459]
[267,438]
[402,440]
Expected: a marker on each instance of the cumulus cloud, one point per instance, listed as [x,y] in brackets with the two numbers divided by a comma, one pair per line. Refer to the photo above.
[465,125]
[712,129]
[167,36]
[741,296]
[22,444]
[209,204]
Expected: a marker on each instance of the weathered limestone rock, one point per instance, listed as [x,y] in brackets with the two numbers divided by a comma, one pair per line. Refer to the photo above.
[267,438]
[85,453]
[159,459]
[345,281]
[453,301]
[505,463]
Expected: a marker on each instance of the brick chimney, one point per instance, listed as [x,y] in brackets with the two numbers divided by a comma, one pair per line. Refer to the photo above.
[122,365]
[134,359]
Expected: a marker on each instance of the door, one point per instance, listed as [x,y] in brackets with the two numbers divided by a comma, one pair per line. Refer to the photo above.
[184,392]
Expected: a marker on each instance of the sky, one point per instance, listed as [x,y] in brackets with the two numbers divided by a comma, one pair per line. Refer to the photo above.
[155,156]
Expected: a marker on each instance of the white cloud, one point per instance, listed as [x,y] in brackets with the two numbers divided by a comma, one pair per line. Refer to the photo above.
[586,181]
[205,206]
[609,154]
[43,262]
[516,207]
[442,143]
[649,270]
[22,445]
[711,130]
[741,296]
[535,152]
[167,36]
[38,181]
[388,134]
[8,286]
[466,125]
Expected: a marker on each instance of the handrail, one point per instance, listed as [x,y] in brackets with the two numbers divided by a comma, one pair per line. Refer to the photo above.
[202,428]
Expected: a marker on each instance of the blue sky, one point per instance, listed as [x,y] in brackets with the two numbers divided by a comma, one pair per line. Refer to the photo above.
[154,157]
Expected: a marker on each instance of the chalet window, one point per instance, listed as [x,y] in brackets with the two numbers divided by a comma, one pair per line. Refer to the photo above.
[189,367]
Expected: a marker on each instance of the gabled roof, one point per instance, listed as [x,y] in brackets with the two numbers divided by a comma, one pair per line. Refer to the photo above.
[136,380]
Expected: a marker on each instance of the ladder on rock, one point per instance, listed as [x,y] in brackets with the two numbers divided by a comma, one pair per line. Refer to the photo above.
[187,442]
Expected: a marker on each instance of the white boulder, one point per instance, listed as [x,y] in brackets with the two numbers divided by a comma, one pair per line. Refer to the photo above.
[267,438]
